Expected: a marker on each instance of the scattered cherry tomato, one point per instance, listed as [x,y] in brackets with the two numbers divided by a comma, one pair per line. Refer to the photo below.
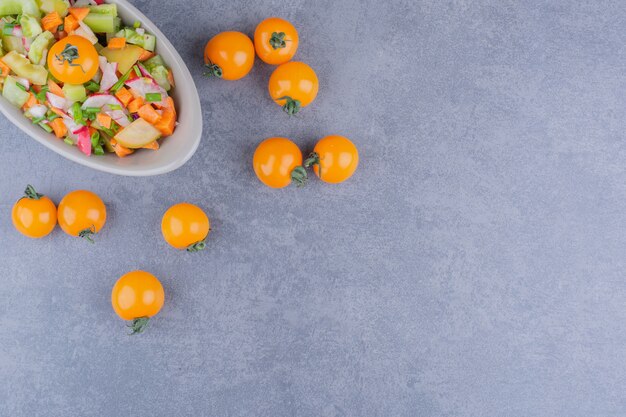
[137,296]
[73,60]
[275,41]
[277,163]
[229,55]
[293,85]
[337,156]
[82,214]
[185,226]
[34,215]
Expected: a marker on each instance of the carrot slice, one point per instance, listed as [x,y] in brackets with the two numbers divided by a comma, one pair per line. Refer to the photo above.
[148,113]
[120,150]
[55,89]
[32,101]
[104,120]
[145,55]
[59,128]
[56,111]
[79,12]
[153,145]
[70,23]
[124,96]
[167,122]
[51,21]
[135,105]
[170,78]
[117,43]
[5,68]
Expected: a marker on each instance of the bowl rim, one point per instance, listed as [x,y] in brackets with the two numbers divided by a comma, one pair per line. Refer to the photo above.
[192,104]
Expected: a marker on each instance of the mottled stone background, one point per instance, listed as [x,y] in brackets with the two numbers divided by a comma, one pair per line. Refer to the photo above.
[473,266]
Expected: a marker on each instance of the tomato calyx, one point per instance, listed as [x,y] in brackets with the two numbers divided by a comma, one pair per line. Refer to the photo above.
[88,233]
[299,176]
[312,160]
[31,194]
[196,247]
[291,106]
[69,54]
[214,70]
[138,325]
[277,40]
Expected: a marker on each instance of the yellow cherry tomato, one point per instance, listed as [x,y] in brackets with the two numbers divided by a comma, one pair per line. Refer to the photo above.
[275,41]
[137,296]
[293,85]
[336,156]
[73,60]
[185,226]
[82,213]
[34,215]
[277,163]
[229,55]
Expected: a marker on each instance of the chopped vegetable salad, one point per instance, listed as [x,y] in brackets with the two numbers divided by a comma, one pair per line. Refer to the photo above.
[77,73]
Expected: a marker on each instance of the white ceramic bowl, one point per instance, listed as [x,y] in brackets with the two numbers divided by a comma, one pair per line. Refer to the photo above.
[175,150]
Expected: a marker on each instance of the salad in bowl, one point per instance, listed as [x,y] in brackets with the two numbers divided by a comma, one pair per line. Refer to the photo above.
[78,73]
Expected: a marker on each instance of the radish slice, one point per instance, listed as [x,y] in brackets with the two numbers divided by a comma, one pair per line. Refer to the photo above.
[84,140]
[57,101]
[118,116]
[72,126]
[104,102]
[24,82]
[100,100]
[86,32]
[26,42]
[108,74]
[38,111]
[17,31]
[145,85]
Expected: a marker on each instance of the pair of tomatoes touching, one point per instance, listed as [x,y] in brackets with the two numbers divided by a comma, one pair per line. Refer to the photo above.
[278,161]
[230,55]
[80,213]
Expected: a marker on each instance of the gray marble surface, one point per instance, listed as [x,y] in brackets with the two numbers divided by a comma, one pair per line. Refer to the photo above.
[473,266]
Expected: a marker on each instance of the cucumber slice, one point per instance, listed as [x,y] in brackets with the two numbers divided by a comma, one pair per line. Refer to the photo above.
[12,43]
[59,6]
[41,43]
[14,94]
[11,7]
[138,134]
[160,73]
[101,23]
[74,92]
[30,8]
[30,26]
[153,62]
[107,9]
[37,74]
[146,41]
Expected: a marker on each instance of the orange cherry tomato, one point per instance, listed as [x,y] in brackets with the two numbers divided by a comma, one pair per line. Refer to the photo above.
[293,85]
[277,163]
[185,226]
[82,213]
[229,55]
[275,41]
[34,215]
[73,60]
[337,156]
[137,296]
